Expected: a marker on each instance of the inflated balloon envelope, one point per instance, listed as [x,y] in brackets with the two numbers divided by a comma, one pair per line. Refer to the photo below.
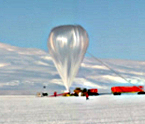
[67,46]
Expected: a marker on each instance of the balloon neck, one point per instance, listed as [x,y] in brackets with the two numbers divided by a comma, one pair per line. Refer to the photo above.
[66,91]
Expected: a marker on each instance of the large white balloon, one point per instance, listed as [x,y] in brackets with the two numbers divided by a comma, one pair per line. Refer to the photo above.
[67,46]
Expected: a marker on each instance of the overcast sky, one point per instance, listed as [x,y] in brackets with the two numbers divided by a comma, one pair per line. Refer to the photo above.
[116,28]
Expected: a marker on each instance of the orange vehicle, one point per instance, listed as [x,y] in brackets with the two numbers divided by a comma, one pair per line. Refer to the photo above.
[117,90]
[77,91]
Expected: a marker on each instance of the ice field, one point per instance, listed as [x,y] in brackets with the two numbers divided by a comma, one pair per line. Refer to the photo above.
[103,109]
[26,71]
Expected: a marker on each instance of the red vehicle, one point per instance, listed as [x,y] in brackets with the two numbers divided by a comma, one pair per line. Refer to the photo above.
[93,92]
[117,90]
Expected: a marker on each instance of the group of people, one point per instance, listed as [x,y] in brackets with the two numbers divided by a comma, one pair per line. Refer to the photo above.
[55,93]
[87,95]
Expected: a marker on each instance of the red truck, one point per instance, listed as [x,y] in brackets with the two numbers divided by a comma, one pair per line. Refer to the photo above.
[117,90]
[93,92]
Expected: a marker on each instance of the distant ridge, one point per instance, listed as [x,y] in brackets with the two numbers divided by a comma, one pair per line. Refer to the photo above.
[26,70]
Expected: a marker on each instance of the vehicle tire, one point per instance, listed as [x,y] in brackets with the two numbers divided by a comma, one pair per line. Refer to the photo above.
[116,93]
[141,93]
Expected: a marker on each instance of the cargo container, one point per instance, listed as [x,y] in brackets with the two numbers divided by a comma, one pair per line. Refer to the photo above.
[117,90]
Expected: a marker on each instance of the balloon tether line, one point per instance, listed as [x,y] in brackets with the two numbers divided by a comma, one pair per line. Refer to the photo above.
[128,81]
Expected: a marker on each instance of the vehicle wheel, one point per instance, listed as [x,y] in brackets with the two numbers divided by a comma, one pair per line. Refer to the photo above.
[116,93]
[140,93]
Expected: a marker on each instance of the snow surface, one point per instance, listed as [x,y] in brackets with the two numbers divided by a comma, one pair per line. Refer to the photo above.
[103,109]
[27,70]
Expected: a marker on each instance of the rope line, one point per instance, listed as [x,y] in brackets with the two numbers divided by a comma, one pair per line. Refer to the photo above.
[128,81]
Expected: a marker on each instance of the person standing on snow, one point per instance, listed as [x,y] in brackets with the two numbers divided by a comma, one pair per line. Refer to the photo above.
[55,93]
[87,96]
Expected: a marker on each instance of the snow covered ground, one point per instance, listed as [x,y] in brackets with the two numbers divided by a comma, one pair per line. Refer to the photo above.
[26,71]
[103,109]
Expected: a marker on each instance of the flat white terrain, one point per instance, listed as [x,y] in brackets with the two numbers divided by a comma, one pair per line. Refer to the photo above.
[103,109]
